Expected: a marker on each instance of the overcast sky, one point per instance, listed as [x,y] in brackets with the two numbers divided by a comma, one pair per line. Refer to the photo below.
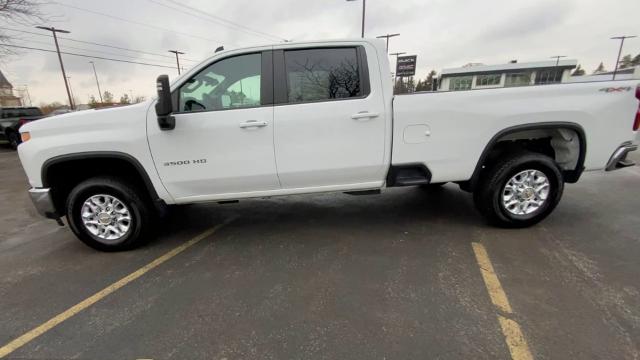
[443,33]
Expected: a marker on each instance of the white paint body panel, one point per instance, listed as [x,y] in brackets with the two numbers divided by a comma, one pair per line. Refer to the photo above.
[462,123]
[318,147]
[237,159]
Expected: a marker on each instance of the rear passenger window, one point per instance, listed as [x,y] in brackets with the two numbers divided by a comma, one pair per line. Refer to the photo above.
[322,74]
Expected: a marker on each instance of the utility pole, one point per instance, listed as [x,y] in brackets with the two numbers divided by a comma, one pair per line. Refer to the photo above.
[364,5]
[557,57]
[387,37]
[621,38]
[64,75]
[177,60]
[97,82]
[73,102]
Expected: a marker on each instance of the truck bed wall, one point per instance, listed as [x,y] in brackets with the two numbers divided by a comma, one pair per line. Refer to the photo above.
[448,131]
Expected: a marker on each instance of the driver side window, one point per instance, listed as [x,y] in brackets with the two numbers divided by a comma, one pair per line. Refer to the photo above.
[227,84]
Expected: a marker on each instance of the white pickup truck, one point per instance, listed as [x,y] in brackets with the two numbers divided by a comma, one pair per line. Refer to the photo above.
[309,117]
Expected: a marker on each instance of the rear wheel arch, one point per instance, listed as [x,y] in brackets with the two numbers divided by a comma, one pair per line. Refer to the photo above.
[62,173]
[570,175]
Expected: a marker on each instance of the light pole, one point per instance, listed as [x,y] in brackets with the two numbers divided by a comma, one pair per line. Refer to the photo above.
[387,37]
[97,82]
[177,60]
[364,5]
[64,75]
[557,57]
[621,38]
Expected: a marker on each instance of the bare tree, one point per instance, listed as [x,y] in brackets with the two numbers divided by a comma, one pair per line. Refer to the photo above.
[19,12]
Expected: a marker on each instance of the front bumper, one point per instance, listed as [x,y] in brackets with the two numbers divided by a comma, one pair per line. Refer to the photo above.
[619,158]
[43,202]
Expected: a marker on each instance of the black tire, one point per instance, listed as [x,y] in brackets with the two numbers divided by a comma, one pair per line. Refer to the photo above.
[142,214]
[488,193]
[14,139]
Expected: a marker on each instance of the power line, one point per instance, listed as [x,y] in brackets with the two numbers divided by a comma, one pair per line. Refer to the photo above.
[97,44]
[91,56]
[91,50]
[137,23]
[216,19]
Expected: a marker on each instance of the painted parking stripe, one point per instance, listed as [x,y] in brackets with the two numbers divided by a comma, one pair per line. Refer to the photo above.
[514,338]
[53,322]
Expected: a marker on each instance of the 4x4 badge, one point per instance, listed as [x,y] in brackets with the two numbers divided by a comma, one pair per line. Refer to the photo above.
[616,89]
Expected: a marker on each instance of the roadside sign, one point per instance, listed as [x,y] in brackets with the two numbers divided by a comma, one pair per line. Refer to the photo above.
[406,65]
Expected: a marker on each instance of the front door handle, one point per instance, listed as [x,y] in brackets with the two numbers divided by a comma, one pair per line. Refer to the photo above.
[253,123]
[364,114]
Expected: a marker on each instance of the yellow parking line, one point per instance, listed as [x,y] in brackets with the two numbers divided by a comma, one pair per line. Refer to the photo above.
[51,323]
[516,341]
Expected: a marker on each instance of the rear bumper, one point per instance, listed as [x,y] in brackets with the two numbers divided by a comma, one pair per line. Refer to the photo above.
[619,158]
[42,200]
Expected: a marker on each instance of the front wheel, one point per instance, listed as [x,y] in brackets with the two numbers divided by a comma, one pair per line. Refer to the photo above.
[108,214]
[520,190]
[14,139]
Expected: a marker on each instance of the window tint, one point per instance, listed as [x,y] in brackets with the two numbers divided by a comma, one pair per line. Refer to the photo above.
[32,112]
[227,84]
[322,74]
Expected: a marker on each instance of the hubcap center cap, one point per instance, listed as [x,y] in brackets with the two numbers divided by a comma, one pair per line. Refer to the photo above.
[528,194]
[104,218]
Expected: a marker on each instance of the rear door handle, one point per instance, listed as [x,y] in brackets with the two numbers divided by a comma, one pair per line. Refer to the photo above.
[364,115]
[253,123]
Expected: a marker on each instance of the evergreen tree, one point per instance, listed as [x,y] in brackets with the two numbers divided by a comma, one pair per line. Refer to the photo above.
[625,62]
[107,97]
[431,81]
[579,71]
[124,99]
[599,69]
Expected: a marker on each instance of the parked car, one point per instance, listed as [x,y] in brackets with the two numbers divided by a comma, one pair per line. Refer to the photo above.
[12,118]
[309,117]
[59,112]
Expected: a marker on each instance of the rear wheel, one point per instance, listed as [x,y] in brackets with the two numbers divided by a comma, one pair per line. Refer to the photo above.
[520,190]
[107,214]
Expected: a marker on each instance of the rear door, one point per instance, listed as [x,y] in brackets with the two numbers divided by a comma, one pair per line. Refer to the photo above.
[329,120]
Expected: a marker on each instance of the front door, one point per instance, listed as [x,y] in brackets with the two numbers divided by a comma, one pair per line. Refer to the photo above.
[222,144]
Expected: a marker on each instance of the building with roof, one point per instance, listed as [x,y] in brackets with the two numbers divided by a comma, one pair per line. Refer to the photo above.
[480,76]
[6,93]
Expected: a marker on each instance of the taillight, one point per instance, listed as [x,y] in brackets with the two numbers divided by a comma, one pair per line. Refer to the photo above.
[22,122]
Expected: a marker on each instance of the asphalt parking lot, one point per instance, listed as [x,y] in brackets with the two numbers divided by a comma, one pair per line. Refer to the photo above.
[392,276]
